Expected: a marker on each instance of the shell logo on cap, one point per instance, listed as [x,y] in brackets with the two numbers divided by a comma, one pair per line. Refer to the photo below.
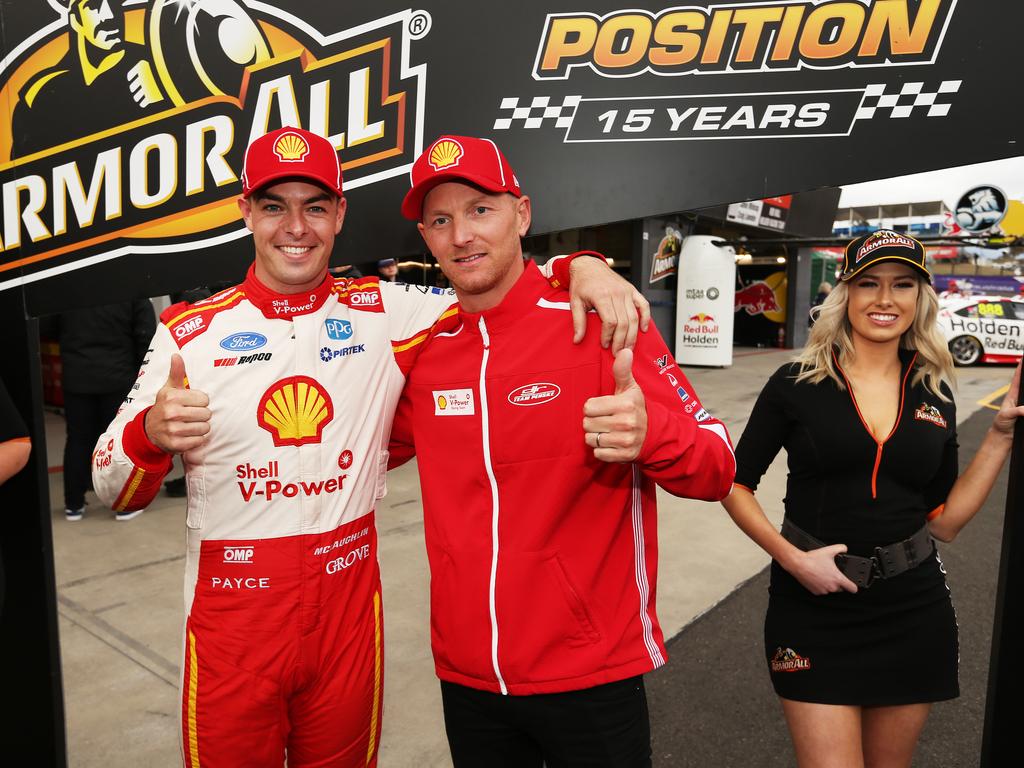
[295,411]
[445,154]
[291,148]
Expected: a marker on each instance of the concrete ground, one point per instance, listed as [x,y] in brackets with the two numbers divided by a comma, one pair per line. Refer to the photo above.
[120,594]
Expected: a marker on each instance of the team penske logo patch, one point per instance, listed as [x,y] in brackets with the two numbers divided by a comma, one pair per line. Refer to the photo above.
[931,414]
[884,238]
[788,660]
[454,402]
[295,411]
[534,394]
[446,153]
[291,148]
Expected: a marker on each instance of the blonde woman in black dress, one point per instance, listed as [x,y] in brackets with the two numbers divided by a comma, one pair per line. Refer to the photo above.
[860,633]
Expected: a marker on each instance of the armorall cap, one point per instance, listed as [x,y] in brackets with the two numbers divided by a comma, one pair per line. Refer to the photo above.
[291,153]
[883,245]
[458,158]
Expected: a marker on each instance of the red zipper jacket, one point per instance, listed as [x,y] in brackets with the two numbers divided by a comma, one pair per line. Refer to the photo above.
[543,559]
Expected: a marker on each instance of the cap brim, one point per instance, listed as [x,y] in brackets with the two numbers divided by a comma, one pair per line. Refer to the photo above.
[412,204]
[291,174]
[867,265]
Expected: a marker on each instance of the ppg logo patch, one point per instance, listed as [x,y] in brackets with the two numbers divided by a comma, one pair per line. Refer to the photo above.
[338,330]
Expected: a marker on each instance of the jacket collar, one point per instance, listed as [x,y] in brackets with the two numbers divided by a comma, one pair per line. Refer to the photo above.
[520,298]
[285,305]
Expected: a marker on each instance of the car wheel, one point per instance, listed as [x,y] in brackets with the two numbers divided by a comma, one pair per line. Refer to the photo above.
[966,350]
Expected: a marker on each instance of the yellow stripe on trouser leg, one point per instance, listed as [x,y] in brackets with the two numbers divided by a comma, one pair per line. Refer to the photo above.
[377,652]
[193,691]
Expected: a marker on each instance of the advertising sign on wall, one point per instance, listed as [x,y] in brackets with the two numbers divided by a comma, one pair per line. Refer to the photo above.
[704,303]
[122,131]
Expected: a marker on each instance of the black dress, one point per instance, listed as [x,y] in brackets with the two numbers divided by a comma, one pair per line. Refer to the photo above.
[896,641]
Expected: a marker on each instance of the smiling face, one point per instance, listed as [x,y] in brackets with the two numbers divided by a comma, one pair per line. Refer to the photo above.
[882,303]
[293,226]
[475,237]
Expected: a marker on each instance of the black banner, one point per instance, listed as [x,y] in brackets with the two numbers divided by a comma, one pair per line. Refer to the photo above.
[122,131]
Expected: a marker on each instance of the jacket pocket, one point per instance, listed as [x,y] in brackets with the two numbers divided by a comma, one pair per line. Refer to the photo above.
[460,617]
[546,631]
[382,474]
[196,514]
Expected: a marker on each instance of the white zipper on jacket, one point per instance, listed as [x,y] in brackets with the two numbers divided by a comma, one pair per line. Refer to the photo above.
[486,435]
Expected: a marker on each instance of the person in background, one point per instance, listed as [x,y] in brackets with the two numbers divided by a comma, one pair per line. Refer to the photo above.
[101,351]
[388,270]
[539,461]
[824,289]
[860,636]
[15,448]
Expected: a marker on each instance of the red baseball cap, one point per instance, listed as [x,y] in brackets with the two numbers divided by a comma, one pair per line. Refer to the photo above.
[290,152]
[453,158]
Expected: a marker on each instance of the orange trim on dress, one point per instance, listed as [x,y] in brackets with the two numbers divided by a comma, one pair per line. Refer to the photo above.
[895,426]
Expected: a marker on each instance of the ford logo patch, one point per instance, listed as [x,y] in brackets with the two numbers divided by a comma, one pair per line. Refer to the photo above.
[240,342]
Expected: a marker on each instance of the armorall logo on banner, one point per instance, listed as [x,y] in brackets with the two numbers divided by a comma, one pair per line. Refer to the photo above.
[129,120]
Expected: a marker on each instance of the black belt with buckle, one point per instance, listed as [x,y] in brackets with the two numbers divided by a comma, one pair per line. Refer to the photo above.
[888,561]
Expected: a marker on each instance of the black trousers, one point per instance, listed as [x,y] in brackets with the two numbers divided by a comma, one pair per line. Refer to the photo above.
[606,726]
[87,416]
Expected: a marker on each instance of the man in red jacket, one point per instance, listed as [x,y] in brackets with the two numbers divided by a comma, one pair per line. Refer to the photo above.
[539,461]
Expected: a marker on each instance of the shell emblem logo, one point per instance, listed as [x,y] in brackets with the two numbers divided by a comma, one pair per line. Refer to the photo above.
[442,402]
[291,148]
[295,411]
[445,154]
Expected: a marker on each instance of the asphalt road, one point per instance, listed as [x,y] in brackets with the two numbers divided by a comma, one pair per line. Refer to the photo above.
[712,705]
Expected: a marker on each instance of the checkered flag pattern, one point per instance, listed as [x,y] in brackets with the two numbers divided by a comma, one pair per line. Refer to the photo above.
[537,111]
[911,97]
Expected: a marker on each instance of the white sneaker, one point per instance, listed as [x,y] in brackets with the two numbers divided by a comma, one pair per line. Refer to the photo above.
[74,514]
[122,516]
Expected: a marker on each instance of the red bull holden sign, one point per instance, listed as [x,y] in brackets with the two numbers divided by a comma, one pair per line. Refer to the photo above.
[704,298]
[124,121]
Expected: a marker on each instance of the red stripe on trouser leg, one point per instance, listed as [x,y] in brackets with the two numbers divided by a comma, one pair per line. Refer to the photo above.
[336,721]
[237,718]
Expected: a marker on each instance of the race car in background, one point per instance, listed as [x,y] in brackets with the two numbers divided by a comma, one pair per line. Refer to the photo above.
[987,329]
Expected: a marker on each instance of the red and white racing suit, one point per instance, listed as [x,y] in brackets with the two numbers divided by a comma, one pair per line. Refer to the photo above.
[283,636]
[543,559]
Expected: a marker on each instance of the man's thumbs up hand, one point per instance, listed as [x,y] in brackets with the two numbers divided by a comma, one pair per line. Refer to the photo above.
[179,419]
[615,426]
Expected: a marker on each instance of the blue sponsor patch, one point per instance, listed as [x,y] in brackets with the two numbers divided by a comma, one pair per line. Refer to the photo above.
[242,342]
[337,329]
[683,394]
[327,354]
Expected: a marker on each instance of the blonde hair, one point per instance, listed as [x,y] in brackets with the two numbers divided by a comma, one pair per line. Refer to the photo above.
[831,333]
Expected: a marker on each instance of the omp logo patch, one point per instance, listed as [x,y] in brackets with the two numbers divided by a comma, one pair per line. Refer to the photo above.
[295,411]
[242,555]
[454,402]
[534,394]
[788,660]
[930,414]
[188,327]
